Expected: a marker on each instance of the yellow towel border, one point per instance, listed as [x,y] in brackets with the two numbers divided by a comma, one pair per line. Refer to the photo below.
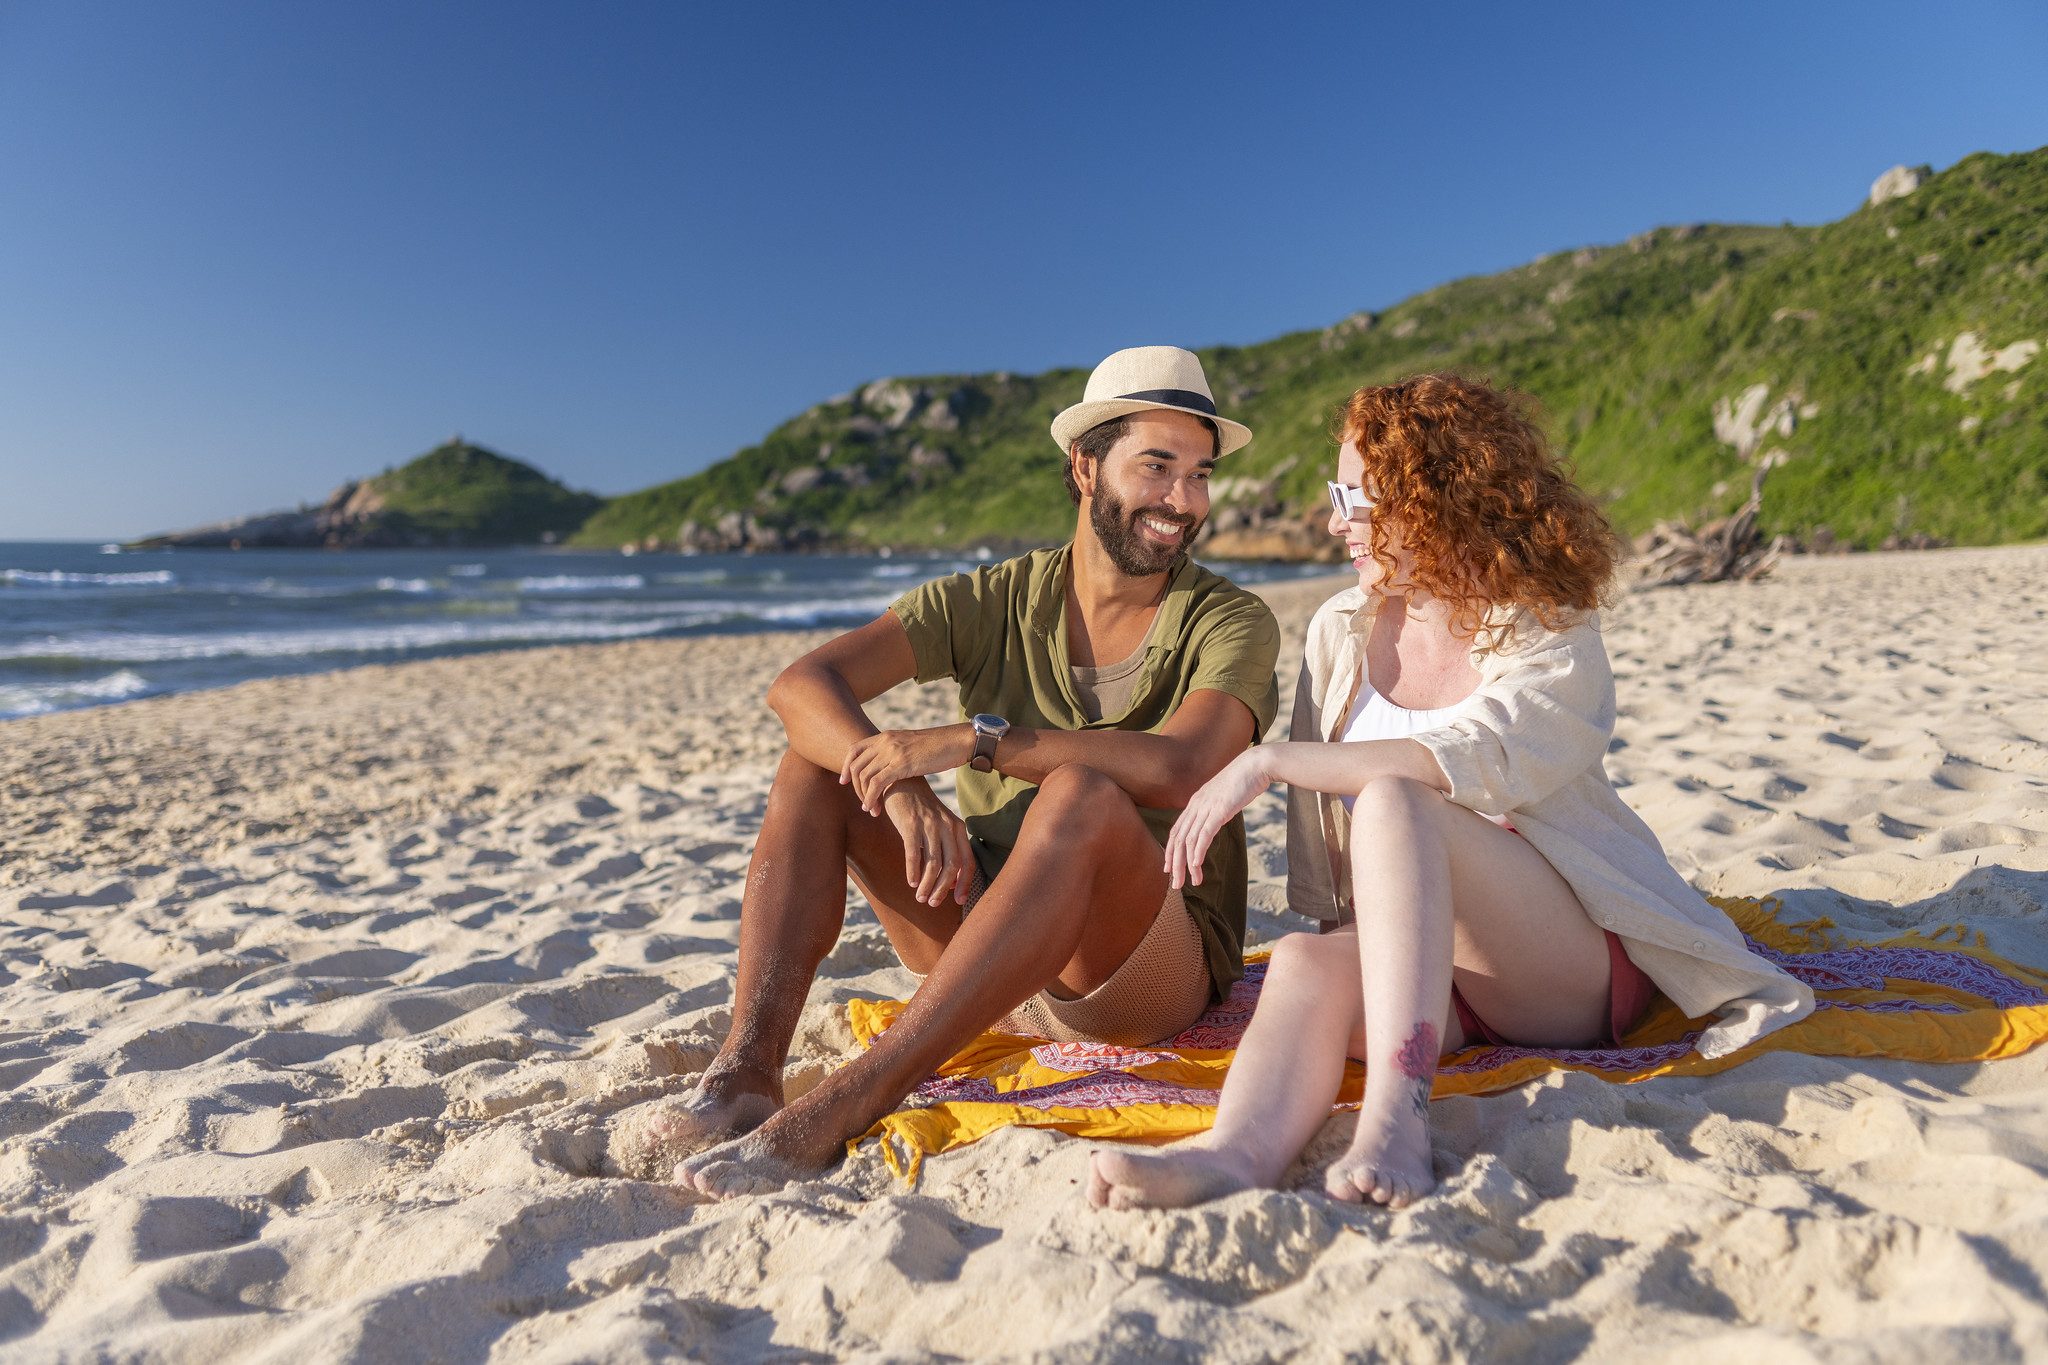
[1975,1032]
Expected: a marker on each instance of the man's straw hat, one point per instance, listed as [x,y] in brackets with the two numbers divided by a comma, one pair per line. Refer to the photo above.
[1144,378]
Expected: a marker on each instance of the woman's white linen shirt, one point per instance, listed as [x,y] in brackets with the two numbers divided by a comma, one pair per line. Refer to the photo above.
[1530,744]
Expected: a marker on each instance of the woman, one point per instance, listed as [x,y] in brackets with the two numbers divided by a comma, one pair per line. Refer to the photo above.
[1446,766]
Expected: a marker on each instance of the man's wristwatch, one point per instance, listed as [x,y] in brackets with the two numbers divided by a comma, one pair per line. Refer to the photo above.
[987,731]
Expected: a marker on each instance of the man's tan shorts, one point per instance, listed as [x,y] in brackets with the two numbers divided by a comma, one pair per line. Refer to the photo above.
[1160,990]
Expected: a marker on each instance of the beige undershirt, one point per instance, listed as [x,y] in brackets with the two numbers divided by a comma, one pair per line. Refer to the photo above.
[1106,691]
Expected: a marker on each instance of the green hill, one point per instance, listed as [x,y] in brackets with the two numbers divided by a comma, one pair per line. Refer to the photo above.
[1881,363]
[459,493]
[455,494]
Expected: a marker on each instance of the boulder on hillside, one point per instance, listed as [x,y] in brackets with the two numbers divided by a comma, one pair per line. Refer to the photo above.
[893,401]
[1897,183]
[947,416]
[1744,422]
[1969,360]
[742,533]
[1338,333]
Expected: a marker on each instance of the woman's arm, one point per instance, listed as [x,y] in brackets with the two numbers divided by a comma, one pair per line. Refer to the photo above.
[1343,769]
[1340,768]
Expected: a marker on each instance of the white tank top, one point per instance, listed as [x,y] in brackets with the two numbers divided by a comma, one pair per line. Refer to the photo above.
[1374,717]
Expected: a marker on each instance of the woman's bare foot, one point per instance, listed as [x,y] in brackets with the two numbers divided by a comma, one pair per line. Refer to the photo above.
[790,1146]
[1388,1161]
[724,1103]
[1173,1179]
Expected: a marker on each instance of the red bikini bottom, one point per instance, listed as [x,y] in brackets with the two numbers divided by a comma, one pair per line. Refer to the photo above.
[1628,996]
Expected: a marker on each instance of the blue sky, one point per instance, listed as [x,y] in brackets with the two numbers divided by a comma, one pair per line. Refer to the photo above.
[250,250]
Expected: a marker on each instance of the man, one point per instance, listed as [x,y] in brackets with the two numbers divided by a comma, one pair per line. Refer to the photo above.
[1106,680]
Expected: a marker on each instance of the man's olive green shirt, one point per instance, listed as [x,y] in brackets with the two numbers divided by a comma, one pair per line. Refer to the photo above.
[1001,633]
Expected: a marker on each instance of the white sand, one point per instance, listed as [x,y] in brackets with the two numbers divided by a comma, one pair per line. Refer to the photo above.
[326,1004]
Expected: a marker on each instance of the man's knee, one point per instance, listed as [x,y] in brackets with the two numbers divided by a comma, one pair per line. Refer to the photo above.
[810,789]
[1076,786]
[1077,804]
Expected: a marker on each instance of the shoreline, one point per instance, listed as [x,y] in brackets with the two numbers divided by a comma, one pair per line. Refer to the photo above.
[79,630]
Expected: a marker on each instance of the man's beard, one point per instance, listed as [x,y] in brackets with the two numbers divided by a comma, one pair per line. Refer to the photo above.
[1130,549]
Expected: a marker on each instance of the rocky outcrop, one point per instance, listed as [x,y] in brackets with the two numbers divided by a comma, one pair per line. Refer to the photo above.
[1293,538]
[347,519]
[890,431]
[739,533]
[1337,334]
[1897,183]
[1969,360]
[891,405]
[892,401]
[1248,519]
[1744,422]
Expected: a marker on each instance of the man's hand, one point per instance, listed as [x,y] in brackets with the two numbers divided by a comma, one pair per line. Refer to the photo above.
[937,858]
[877,763]
[1220,798]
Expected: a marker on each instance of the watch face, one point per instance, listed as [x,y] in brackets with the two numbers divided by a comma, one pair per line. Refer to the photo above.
[991,724]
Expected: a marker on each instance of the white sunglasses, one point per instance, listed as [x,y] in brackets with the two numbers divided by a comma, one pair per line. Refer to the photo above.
[1349,500]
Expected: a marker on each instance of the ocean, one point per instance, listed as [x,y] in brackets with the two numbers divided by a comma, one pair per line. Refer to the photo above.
[89,625]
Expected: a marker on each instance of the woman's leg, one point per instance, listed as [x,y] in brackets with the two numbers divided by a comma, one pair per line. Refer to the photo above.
[1445,894]
[1435,884]
[1276,1096]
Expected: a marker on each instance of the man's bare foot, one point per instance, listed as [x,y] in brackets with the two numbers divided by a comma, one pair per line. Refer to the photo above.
[1173,1179]
[1388,1162]
[724,1104]
[792,1145]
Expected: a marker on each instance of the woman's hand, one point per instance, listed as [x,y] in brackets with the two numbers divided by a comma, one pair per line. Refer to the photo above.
[877,763]
[1220,798]
[937,858]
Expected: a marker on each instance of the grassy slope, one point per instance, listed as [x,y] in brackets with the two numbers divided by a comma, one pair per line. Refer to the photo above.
[1627,347]
[465,493]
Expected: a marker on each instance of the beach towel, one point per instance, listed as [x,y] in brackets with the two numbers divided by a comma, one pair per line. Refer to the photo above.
[1935,995]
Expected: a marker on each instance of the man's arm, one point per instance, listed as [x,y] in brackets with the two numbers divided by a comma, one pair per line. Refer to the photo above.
[820,696]
[1220,715]
[1162,770]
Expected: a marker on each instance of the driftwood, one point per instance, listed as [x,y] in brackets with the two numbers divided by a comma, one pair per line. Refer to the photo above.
[1671,553]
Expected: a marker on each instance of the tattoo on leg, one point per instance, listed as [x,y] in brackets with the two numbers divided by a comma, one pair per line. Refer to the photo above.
[1417,1061]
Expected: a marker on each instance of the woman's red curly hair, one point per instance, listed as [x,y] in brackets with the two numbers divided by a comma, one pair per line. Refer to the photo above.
[1489,514]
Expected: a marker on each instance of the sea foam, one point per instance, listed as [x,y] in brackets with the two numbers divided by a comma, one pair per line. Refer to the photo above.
[36,698]
[57,578]
[286,644]
[565,582]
